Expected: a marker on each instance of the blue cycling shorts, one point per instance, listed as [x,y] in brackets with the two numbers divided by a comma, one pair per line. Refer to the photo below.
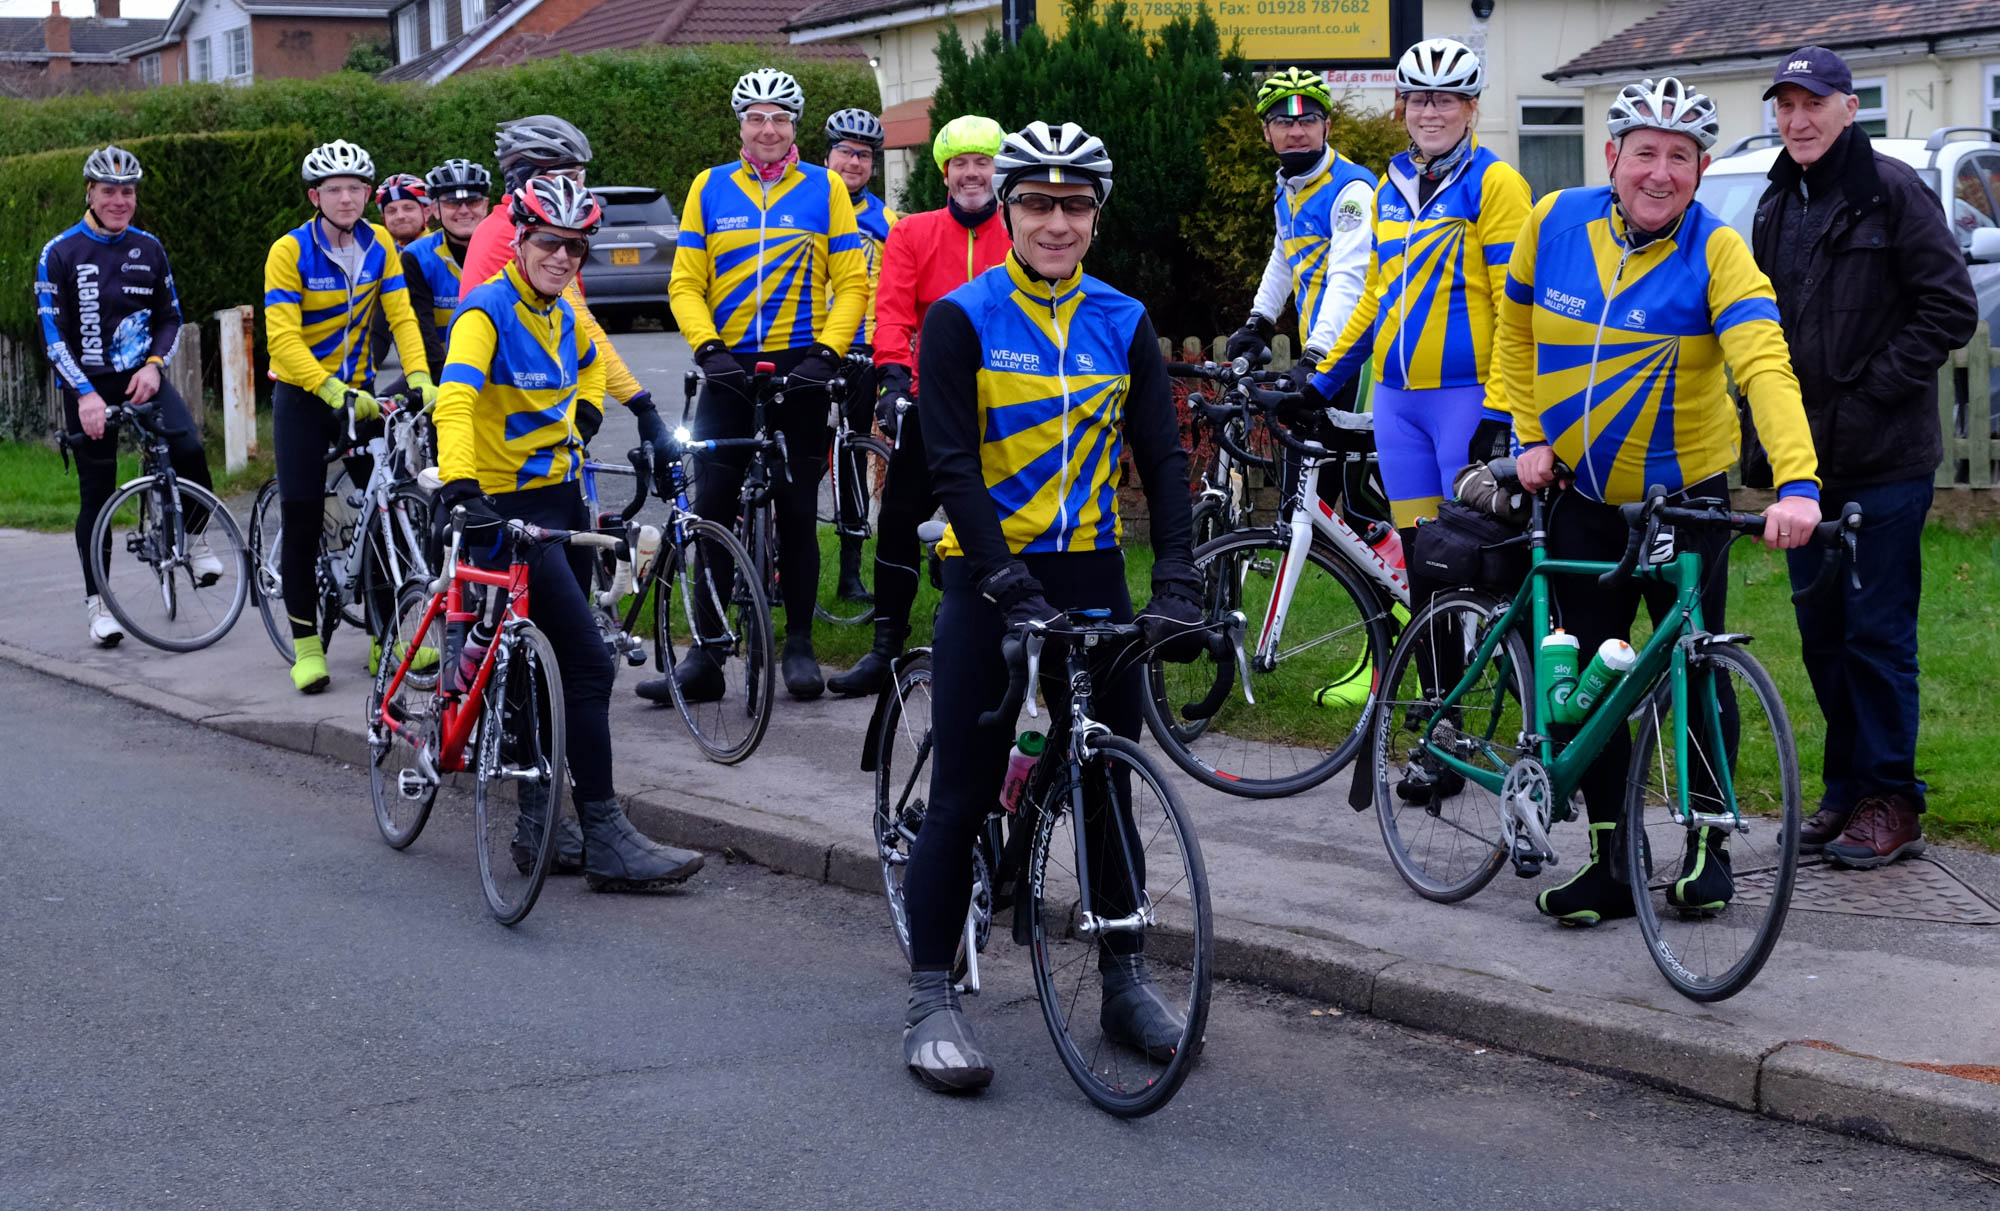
[1420,438]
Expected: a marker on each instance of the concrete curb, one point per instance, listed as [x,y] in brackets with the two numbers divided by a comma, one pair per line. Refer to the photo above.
[1780,1078]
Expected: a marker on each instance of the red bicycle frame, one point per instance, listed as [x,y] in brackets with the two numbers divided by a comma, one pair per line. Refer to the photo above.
[459,711]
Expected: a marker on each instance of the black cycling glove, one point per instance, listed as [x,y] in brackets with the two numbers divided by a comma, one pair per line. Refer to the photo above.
[651,428]
[893,382]
[1492,439]
[1300,375]
[716,361]
[1172,622]
[589,419]
[482,516]
[819,364]
[1018,595]
[1252,340]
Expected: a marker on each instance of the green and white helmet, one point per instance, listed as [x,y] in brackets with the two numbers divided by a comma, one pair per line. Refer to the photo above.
[1293,82]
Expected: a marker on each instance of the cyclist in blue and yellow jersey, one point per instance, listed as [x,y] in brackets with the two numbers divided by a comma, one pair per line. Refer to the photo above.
[1624,305]
[431,266]
[1034,375]
[770,268]
[406,207]
[323,282]
[1444,221]
[854,139]
[1320,255]
[508,448]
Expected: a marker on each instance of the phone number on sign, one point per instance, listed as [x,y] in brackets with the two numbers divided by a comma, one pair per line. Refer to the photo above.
[1262,8]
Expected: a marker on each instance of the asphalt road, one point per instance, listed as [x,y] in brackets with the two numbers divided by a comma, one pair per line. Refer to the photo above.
[218,988]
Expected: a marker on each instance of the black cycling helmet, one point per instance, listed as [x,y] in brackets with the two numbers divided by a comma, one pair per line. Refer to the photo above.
[459,178]
[854,126]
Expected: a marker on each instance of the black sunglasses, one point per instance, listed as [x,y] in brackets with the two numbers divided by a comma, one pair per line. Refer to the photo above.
[1076,205]
[548,242]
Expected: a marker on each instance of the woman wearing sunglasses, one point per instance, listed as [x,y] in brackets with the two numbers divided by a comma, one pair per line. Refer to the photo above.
[508,447]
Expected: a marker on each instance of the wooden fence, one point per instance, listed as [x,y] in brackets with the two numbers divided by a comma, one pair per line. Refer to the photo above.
[31,395]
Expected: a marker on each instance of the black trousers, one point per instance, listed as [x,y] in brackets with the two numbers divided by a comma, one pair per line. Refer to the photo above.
[726,409]
[1581,528]
[97,459]
[303,430]
[969,762]
[907,502]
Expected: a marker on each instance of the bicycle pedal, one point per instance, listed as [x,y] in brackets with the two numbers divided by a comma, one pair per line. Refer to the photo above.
[635,657]
[411,784]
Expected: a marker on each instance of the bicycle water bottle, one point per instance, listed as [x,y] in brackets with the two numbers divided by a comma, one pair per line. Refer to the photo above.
[1387,541]
[1020,763]
[1614,659]
[474,651]
[1555,670]
[649,550]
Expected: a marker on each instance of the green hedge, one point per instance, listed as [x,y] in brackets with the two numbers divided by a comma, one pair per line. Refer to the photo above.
[655,117]
[216,201]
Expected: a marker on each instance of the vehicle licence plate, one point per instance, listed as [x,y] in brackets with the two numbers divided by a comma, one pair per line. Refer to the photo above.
[624,256]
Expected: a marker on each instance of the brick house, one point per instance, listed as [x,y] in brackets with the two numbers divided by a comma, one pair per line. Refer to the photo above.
[238,41]
[52,54]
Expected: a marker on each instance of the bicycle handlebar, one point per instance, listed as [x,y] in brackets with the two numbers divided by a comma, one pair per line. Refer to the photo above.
[1022,650]
[1642,518]
[143,415]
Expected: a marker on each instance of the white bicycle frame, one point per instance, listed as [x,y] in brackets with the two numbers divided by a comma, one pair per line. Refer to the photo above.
[376,494]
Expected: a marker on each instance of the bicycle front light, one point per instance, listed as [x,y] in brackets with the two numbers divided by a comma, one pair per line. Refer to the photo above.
[682,435]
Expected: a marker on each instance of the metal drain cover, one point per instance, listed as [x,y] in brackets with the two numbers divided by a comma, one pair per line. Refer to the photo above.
[1916,889]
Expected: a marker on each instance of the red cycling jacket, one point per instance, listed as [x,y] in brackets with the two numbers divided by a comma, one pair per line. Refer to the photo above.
[928,256]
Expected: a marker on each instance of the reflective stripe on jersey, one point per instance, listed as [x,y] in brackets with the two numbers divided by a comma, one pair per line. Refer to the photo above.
[1615,356]
[1435,278]
[1053,375]
[769,266]
[316,322]
[506,410]
[440,270]
[1307,221]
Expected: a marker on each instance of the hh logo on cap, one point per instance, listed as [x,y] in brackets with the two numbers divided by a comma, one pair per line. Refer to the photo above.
[1799,65]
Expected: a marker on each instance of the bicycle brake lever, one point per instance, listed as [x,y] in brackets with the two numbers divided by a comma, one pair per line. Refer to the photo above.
[1848,540]
[1235,627]
[784,456]
[1034,650]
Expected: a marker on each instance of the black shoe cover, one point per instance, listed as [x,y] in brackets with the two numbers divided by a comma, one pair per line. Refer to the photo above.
[699,675]
[850,587]
[938,1044]
[618,857]
[868,676]
[1135,1015]
[801,671]
[568,858]
[1596,893]
[1706,883]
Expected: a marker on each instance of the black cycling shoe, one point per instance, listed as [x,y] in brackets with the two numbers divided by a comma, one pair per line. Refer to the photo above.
[1706,883]
[871,672]
[700,677]
[568,858]
[1135,1015]
[802,676]
[938,1044]
[851,587]
[618,857]
[1420,786]
[1598,892]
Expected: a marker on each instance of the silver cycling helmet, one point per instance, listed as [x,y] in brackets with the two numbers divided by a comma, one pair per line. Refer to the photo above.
[459,178]
[767,86]
[856,126]
[113,166]
[1066,153]
[542,139]
[337,159]
[1668,105]
[1440,65]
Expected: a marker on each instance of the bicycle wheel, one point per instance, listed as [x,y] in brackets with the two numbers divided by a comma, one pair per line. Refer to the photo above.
[847,521]
[1717,889]
[402,786]
[1336,632]
[267,528]
[1163,920]
[1444,833]
[709,596]
[393,550]
[521,749]
[340,517]
[145,543]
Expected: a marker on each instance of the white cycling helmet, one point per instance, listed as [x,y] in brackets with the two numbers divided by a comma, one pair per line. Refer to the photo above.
[554,202]
[1066,153]
[1440,65]
[1668,105]
[337,159]
[113,166]
[767,86]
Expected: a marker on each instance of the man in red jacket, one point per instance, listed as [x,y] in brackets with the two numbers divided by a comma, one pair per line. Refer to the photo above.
[926,257]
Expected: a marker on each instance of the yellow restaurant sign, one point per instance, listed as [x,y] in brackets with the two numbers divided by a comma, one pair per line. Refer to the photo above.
[1273,31]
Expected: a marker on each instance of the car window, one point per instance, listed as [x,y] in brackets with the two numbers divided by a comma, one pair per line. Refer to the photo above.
[649,208]
[1732,197]
[1972,203]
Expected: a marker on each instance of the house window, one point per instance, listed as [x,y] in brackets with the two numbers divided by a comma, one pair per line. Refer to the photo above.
[1551,144]
[438,35]
[236,44]
[204,61]
[471,13]
[149,71]
[406,35]
[1873,116]
[1993,97]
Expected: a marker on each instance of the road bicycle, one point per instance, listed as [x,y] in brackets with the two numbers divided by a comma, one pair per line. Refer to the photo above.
[850,497]
[1326,601]
[371,540]
[616,575]
[1097,857]
[1469,773]
[504,724]
[147,537]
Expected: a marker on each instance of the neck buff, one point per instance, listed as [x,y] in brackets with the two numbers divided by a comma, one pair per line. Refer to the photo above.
[970,219]
[771,172]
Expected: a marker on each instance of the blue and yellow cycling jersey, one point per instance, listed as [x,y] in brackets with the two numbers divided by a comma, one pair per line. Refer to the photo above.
[1436,274]
[506,410]
[316,321]
[1054,370]
[440,270]
[769,266]
[1615,354]
[874,219]
[1320,250]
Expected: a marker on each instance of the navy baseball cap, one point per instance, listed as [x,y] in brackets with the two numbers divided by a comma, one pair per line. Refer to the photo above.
[1815,68]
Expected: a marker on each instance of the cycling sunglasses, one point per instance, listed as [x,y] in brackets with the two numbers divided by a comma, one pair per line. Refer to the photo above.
[1076,206]
[549,242]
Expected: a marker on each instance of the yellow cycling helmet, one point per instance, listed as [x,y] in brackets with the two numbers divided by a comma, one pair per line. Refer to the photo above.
[968,133]
[1293,82]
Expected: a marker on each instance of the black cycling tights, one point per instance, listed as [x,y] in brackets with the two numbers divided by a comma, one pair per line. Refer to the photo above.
[727,410]
[303,429]
[968,762]
[97,459]
[907,502]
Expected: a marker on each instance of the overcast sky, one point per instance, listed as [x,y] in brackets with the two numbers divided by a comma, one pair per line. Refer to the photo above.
[84,8]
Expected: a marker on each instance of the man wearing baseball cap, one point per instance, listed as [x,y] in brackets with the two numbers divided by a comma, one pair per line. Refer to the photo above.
[1873,295]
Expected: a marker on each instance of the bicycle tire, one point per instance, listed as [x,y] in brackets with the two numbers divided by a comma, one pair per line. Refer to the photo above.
[1762,855]
[220,603]
[419,704]
[1244,750]
[532,657]
[1413,829]
[267,529]
[1126,1081]
[727,731]
[873,455]
[407,516]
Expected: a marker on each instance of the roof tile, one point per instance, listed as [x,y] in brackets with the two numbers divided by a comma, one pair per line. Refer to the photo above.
[1698,31]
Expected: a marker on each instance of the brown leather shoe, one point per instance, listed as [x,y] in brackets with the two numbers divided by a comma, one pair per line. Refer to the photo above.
[1821,827]
[1884,828]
